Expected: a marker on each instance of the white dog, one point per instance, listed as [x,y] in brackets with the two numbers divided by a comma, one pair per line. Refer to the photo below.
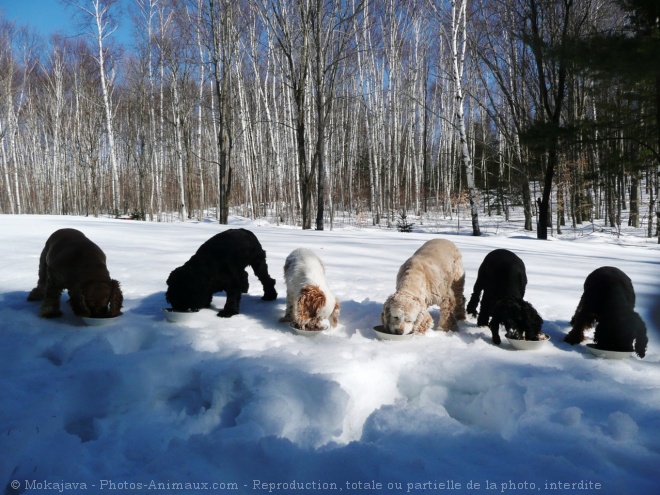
[433,275]
[308,299]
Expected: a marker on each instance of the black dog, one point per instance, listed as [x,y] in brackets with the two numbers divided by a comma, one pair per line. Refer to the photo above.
[219,265]
[520,319]
[609,300]
[501,274]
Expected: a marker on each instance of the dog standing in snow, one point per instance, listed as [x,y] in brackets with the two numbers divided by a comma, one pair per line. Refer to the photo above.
[220,265]
[308,299]
[608,301]
[433,275]
[502,279]
[501,274]
[71,261]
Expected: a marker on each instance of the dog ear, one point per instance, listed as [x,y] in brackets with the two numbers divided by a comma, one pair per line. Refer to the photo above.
[77,302]
[531,317]
[310,302]
[385,313]
[189,288]
[116,299]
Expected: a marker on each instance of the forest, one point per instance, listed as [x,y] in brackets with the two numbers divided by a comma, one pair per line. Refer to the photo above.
[301,110]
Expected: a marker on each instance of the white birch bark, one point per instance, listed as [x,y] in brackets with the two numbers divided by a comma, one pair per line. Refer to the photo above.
[200,108]
[99,12]
[151,12]
[178,131]
[458,47]
[7,180]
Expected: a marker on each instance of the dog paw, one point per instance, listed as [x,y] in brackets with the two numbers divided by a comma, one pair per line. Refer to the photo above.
[50,313]
[35,295]
[573,339]
[269,296]
[227,313]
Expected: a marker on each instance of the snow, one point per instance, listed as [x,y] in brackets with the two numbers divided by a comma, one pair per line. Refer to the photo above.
[247,406]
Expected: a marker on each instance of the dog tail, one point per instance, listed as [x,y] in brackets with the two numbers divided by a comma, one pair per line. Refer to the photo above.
[641,338]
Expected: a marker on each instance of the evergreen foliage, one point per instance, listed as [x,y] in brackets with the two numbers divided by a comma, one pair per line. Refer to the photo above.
[402,224]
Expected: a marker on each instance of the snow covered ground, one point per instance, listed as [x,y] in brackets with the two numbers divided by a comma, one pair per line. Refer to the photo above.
[245,405]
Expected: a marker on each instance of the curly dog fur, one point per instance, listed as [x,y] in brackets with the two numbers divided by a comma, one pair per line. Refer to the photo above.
[520,319]
[609,300]
[433,275]
[501,274]
[308,298]
[219,265]
[69,260]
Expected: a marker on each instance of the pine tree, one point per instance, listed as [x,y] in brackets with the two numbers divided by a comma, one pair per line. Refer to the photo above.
[630,59]
[402,224]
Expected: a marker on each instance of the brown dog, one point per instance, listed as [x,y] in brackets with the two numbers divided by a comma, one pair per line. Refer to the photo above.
[71,261]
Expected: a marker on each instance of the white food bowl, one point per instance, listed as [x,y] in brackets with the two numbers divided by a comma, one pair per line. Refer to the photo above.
[98,322]
[529,345]
[179,316]
[608,354]
[307,333]
[381,334]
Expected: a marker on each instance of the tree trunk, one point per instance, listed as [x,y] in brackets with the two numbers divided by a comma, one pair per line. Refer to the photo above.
[657,157]
[304,173]
[459,29]
[223,47]
[633,217]
[101,35]
[544,205]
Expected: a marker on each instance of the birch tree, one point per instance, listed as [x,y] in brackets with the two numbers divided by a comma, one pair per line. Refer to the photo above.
[16,76]
[331,22]
[8,71]
[222,39]
[103,25]
[290,23]
[507,100]
[148,12]
[367,62]
[458,47]
[54,77]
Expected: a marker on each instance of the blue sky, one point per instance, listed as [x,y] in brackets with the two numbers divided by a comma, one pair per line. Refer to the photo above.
[49,16]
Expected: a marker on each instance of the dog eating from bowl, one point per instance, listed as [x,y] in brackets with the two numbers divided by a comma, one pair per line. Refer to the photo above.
[433,275]
[310,305]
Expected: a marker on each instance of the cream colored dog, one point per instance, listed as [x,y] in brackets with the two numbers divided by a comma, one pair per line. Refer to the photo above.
[433,275]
